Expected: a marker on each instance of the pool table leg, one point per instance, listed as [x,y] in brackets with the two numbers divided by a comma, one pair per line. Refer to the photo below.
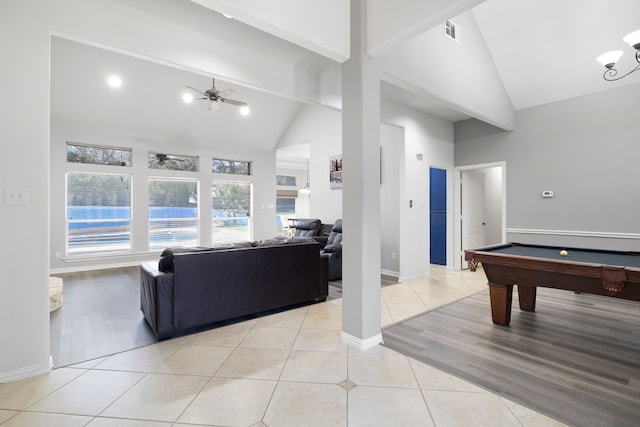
[527,297]
[501,296]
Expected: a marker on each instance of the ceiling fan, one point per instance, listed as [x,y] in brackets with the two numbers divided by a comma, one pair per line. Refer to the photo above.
[167,161]
[215,96]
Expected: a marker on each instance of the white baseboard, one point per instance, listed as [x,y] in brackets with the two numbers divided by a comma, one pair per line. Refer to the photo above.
[403,279]
[391,273]
[26,372]
[359,343]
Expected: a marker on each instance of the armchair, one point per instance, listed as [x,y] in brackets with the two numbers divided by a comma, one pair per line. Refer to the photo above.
[307,228]
[333,251]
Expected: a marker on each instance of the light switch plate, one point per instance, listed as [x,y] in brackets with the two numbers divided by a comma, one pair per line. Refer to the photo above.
[16,196]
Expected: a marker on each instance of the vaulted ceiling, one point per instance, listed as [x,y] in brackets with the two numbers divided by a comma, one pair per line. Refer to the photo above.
[542,50]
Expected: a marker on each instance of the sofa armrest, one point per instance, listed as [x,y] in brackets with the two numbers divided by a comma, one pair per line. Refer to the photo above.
[321,239]
[156,299]
[333,248]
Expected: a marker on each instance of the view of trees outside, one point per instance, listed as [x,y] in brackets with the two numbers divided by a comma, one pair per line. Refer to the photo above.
[286,180]
[78,153]
[99,204]
[173,213]
[231,211]
[98,213]
[233,167]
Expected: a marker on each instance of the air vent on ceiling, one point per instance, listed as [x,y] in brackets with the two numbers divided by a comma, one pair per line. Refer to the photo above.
[452,31]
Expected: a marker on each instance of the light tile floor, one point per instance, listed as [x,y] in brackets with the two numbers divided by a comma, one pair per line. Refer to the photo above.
[287,369]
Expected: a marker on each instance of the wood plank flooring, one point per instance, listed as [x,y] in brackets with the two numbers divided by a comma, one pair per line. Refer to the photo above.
[100,316]
[576,359]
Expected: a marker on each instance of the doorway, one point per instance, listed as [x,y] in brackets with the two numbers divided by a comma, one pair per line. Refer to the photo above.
[480,208]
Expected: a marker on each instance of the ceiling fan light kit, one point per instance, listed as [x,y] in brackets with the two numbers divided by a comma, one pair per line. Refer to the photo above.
[609,59]
[215,97]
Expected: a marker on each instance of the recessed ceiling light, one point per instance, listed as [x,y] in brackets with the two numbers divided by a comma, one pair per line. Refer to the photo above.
[187,97]
[244,110]
[114,81]
[226,15]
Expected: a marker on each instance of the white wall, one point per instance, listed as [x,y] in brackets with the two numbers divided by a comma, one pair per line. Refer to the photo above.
[414,133]
[24,135]
[25,26]
[463,75]
[321,127]
[433,138]
[390,25]
[391,156]
[585,149]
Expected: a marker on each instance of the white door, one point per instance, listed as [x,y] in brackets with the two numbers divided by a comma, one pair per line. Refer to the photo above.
[472,210]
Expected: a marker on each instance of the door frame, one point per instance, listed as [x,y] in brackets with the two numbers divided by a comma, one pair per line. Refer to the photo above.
[457,206]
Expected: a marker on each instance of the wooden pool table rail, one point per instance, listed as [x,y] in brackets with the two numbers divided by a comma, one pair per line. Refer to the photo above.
[503,271]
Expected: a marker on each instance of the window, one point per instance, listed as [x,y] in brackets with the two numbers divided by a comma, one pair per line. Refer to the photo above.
[173,213]
[98,213]
[172,162]
[234,167]
[231,220]
[286,180]
[96,155]
[285,209]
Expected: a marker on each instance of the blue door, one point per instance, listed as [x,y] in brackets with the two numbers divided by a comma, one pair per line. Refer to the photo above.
[438,215]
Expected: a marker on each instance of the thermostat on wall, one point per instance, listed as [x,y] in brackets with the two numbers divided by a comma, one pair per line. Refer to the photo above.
[547,193]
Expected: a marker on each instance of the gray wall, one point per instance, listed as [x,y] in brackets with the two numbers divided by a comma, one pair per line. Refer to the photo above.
[586,150]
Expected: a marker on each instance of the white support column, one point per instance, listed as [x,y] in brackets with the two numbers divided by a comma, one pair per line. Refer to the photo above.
[361,189]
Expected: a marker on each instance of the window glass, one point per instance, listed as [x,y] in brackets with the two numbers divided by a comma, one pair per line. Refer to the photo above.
[285,209]
[173,213]
[233,167]
[172,162]
[286,180]
[98,213]
[231,216]
[96,155]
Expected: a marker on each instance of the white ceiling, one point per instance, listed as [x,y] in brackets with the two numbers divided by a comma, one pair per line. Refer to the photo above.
[544,51]
[150,101]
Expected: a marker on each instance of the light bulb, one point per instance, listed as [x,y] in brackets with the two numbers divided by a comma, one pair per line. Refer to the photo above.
[114,81]
[244,110]
[609,59]
[633,39]
[187,97]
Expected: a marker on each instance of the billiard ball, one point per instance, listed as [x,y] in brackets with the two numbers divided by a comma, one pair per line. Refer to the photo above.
[564,253]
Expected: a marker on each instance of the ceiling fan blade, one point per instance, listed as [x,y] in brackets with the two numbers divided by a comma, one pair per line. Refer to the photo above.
[196,90]
[225,93]
[214,106]
[233,102]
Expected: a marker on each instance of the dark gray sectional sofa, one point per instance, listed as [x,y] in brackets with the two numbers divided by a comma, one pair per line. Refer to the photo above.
[200,286]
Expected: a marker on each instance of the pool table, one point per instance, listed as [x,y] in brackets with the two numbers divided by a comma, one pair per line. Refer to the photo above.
[589,271]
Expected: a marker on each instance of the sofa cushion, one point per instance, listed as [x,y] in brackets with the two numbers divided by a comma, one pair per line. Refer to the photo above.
[333,248]
[267,242]
[301,240]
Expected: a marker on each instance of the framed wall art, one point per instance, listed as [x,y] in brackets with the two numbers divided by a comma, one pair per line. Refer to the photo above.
[335,171]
